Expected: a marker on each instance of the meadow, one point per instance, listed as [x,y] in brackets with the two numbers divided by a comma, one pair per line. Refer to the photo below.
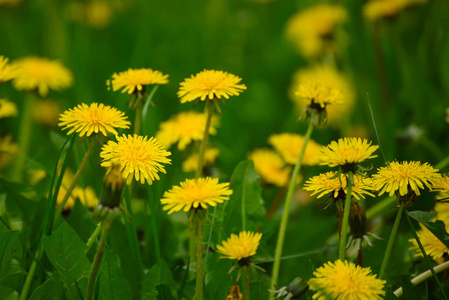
[224,149]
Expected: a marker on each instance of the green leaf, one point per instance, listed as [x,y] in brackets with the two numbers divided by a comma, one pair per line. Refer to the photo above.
[51,289]
[437,228]
[65,250]
[158,275]
[422,216]
[7,293]
[11,251]
[113,284]
[408,288]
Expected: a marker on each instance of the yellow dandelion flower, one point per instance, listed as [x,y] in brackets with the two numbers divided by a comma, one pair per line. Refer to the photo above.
[347,151]
[289,146]
[435,248]
[191,162]
[323,84]
[41,74]
[442,185]
[240,246]
[185,128]
[134,80]
[271,167]
[36,176]
[402,176]
[93,118]
[195,193]
[86,196]
[7,71]
[327,183]
[7,109]
[309,28]
[47,112]
[376,9]
[210,84]
[442,208]
[343,281]
[98,14]
[8,149]
[138,156]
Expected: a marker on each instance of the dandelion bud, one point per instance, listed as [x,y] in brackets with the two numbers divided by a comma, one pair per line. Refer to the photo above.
[113,183]
[357,221]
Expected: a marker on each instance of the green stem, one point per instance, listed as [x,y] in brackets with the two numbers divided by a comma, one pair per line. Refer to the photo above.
[394,231]
[75,180]
[374,210]
[97,259]
[247,283]
[203,146]
[424,276]
[30,275]
[153,210]
[199,260]
[93,238]
[25,129]
[138,117]
[285,213]
[344,226]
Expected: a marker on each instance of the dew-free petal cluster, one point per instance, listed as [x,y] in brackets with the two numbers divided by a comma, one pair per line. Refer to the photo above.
[136,79]
[7,71]
[271,167]
[210,84]
[289,145]
[240,246]
[347,151]
[7,109]
[93,118]
[191,162]
[345,281]
[195,193]
[400,176]
[139,157]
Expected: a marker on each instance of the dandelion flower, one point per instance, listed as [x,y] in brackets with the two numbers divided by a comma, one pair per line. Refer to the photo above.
[289,145]
[210,84]
[7,71]
[343,281]
[442,185]
[240,246]
[41,74]
[402,176]
[93,118]
[36,176]
[8,149]
[138,156]
[134,80]
[7,109]
[329,182]
[376,9]
[86,196]
[347,151]
[195,193]
[184,128]
[191,162]
[271,167]
[47,112]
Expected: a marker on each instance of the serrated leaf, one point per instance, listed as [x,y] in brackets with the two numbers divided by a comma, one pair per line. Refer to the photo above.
[113,284]
[10,254]
[437,228]
[65,250]
[52,289]
[159,274]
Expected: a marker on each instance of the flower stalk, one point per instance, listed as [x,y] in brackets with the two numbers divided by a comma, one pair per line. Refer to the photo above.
[344,226]
[247,283]
[203,146]
[199,259]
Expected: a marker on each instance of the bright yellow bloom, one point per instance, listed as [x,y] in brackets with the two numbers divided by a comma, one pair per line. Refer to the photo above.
[442,185]
[7,71]
[138,157]
[345,281]
[93,118]
[271,167]
[328,183]
[191,162]
[402,176]
[242,246]
[376,9]
[41,74]
[331,85]
[7,109]
[86,196]
[347,151]
[195,193]
[309,28]
[289,146]
[134,80]
[210,84]
[185,128]
[8,149]
[47,112]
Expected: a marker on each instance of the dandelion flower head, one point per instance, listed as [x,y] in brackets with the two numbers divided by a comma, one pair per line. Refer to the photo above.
[7,71]
[191,162]
[8,149]
[7,109]
[134,80]
[402,176]
[342,281]
[210,84]
[47,112]
[195,193]
[93,118]
[185,128]
[240,246]
[347,151]
[289,146]
[271,167]
[376,9]
[442,185]
[139,157]
[42,75]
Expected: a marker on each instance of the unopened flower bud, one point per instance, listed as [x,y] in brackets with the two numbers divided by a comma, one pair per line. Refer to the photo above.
[113,183]
[357,220]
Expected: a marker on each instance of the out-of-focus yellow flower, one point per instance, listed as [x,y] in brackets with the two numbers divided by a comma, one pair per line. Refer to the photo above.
[7,71]
[191,162]
[442,185]
[289,145]
[86,196]
[36,176]
[7,109]
[47,112]
[325,76]
[271,167]
[309,28]
[95,14]
[185,128]
[8,149]
[376,9]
